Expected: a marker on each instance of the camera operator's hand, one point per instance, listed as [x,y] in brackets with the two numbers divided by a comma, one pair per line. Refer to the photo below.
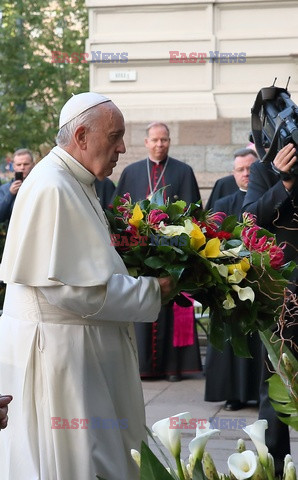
[14,187]
[284,161]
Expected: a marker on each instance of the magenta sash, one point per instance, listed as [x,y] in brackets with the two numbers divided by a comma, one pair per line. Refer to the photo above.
[183,324]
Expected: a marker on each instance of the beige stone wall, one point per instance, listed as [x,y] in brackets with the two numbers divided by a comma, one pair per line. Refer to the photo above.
[207,104]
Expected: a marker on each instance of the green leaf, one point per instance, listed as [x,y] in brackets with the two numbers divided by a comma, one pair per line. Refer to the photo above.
[291,421]
[285,408]
[154,262]
[277,389]
[274,349]
[175,271]
[151,467]
[158,197]
[198,473]
[175,211]
[216,332]
[229,223]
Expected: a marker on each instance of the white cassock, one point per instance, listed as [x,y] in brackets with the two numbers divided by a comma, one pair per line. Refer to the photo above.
[67,348]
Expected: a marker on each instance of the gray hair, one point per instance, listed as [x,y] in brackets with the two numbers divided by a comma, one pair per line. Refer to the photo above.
[23,151]
[87,119]
[157,124]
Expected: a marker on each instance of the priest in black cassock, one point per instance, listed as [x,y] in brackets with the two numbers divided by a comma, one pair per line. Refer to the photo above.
[229,378]
[168,347]
[104,189]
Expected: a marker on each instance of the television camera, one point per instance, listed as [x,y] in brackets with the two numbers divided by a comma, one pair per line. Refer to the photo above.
[274,124]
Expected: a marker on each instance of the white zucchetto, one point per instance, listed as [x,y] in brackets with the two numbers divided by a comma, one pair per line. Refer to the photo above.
[78,104]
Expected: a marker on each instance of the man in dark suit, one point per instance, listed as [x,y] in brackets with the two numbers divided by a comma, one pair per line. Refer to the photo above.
[223,186]
[230,378]
[231,204]
[22,164]
[272,196]
[159,353]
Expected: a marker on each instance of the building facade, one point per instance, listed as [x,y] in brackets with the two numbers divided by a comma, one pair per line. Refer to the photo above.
[194,65]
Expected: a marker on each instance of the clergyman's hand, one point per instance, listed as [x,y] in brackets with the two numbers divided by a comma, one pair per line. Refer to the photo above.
[167,285]
[4,401]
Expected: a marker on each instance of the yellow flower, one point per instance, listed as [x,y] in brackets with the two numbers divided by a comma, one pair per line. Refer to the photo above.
[212,248]
[137,216]
[243,266]
[197,238]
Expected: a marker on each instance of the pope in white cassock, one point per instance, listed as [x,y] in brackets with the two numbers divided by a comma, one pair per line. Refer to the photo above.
[67,347]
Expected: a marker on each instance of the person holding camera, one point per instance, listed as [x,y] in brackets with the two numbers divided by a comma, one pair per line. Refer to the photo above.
[272,196]
[23,163]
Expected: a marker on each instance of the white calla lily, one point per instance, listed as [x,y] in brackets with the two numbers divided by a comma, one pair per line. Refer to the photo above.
[222,269]
[245,293]
[228,303]
[232,252]
[171,230]
[197,444]
[188,226]
[168,430]
[256,432]
[242,465]
[237,276]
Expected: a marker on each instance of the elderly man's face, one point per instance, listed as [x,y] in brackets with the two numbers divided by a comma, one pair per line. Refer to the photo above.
[158,143]
[23,163]
[106,142]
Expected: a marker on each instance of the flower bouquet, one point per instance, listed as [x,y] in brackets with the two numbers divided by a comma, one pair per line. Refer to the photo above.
[234,269]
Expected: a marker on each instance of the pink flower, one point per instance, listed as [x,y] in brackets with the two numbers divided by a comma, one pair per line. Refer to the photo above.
[253,242]
[249,219]
[217,217]
[276,255]
[125,211]
[155,217]
[126,198]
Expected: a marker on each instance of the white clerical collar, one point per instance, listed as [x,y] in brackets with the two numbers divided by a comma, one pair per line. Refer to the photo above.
[78,169]
[157,162]
[242,190]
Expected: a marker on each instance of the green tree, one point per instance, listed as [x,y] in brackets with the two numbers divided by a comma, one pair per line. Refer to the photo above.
[33,87]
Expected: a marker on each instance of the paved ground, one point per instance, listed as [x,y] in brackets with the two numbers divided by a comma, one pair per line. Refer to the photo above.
[163,399]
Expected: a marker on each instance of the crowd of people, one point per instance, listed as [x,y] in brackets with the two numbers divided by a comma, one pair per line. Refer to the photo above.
[78,333]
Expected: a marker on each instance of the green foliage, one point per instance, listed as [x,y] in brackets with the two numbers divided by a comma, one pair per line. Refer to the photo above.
[219,263]
[283,386]
[151,467]
[32,88]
